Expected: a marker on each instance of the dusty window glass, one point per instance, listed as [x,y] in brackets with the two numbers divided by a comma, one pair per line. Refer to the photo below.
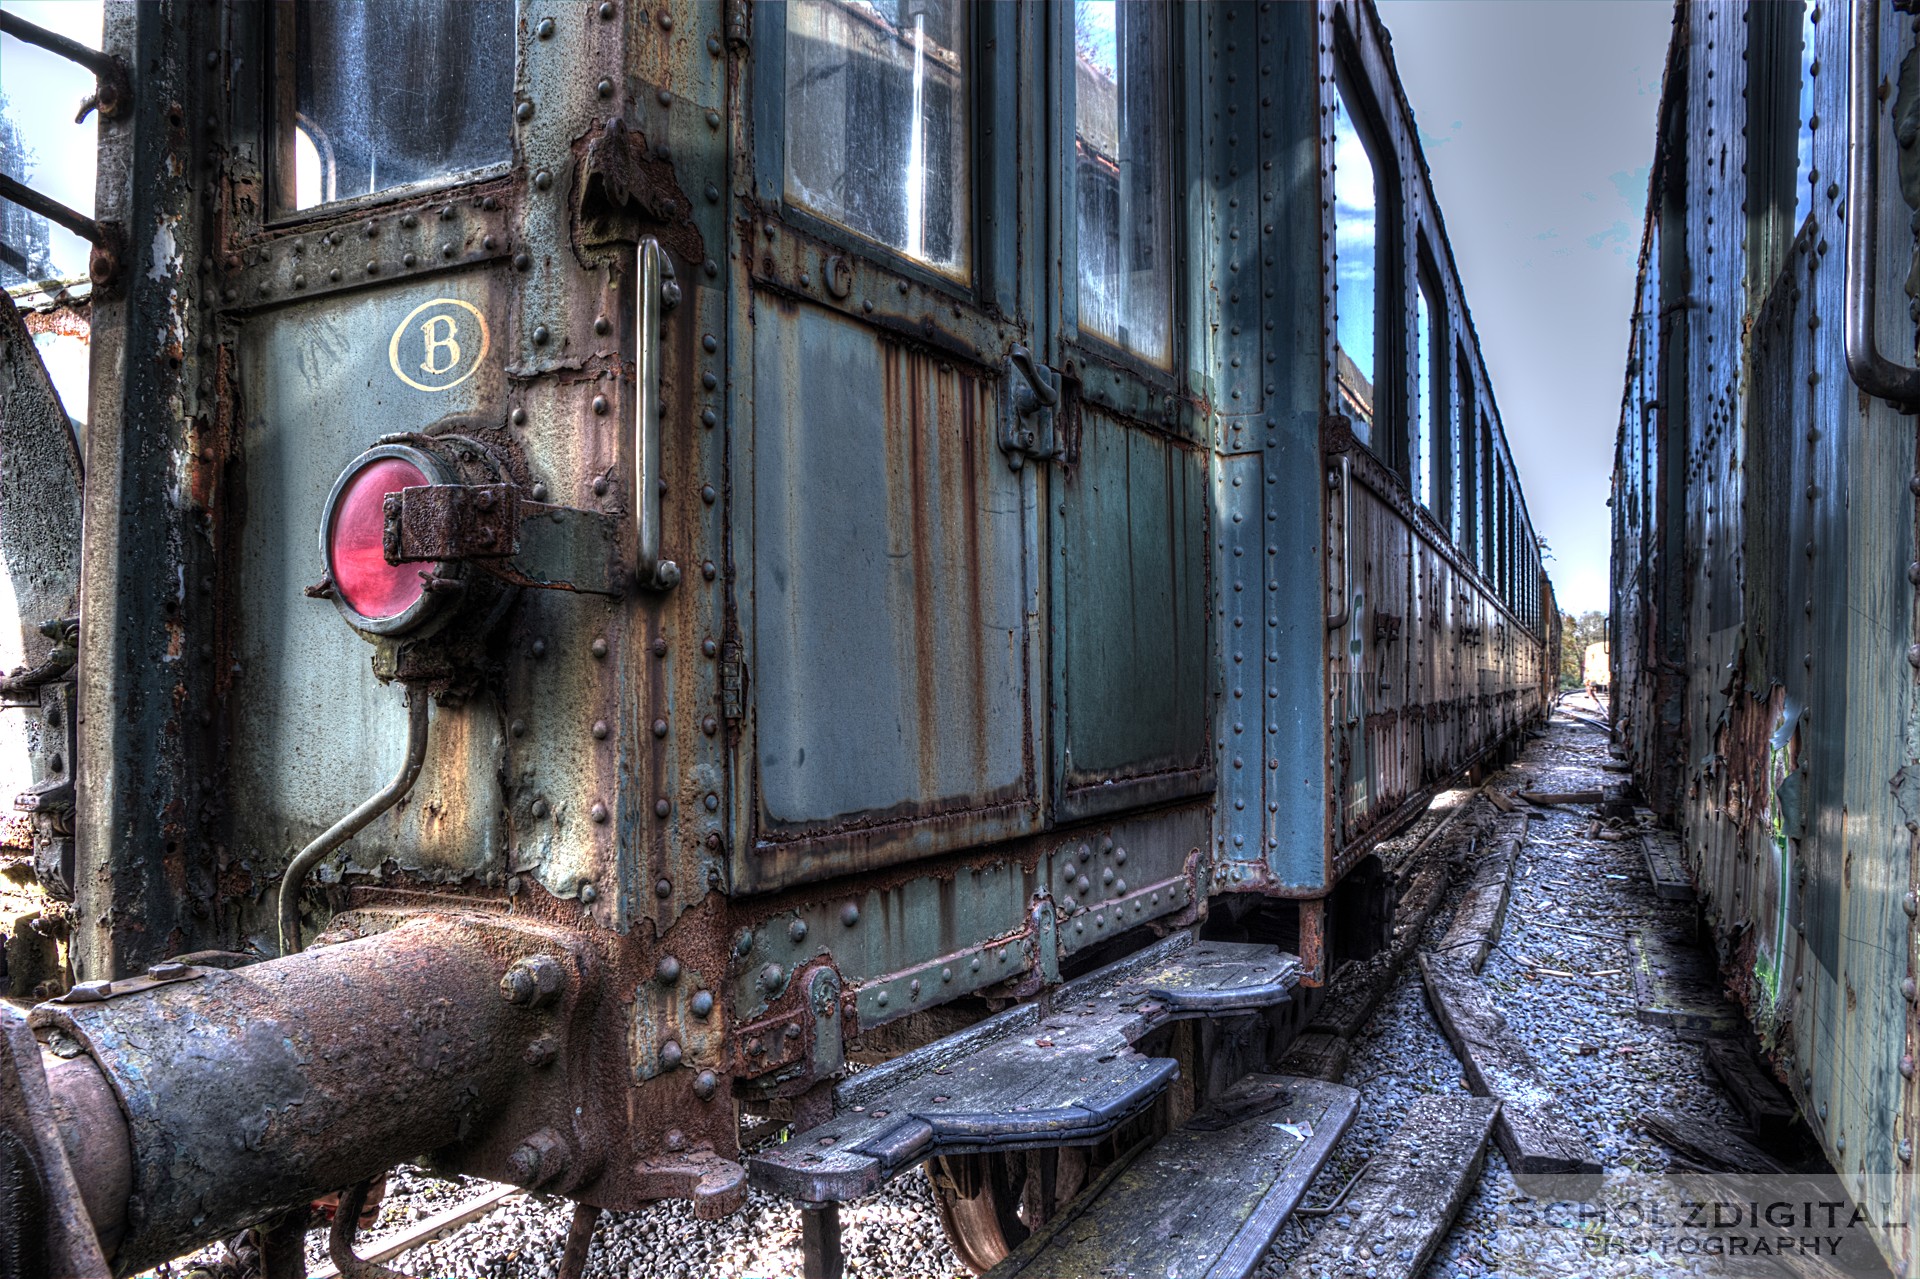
[378,95]
[1425,402]
[1804,177]
[1356,240]
[1123,173]
[877,121]
[1464,487]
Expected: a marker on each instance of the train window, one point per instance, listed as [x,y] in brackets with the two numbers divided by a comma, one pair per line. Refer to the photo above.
[876,122]
[1463,511]
[1430,405]
[376,97]
[1483,535]
[1122,129]
[1804,177]
[1356,238]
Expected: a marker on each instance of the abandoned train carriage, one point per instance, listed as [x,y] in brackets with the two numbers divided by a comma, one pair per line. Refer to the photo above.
[825,511]
[1765,553]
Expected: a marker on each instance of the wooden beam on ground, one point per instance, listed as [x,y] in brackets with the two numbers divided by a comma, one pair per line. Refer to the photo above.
[1316,1054]
[1551,799]
[1755,1092]
[1497,799]
[1665,866]
[1412,1190]
[1535,1132]
[1676,984]
[1478,918]
[1714,1147]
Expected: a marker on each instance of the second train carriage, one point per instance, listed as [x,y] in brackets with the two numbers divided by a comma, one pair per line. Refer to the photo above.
[834,518]
[1765,558]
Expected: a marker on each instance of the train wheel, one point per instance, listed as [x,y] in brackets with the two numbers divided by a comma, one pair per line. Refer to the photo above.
[990,1203]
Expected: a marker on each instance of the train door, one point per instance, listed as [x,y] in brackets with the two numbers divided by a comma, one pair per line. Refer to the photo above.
[1129,507]
[893,411]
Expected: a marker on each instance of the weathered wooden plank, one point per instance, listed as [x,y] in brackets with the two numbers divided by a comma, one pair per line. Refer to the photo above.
[1665,866]
[1478,918]
[1714,1147]
[1755,1092]
[1207,1199]
[1549,799]
[1676,985]
[1411,1192]
[1535,1132]
[1316,1054]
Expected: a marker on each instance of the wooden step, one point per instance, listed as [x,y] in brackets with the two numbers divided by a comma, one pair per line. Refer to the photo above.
[1666,866]
[1676,984]
[1059,1075]
[1413,1188]
[1204,1201]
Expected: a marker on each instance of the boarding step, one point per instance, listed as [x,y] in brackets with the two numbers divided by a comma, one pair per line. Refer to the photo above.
[1666,866]
[1057,1071]
[1207,1199]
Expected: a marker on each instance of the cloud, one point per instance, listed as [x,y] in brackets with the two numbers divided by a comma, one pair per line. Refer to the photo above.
[1619,234]
[1632,184]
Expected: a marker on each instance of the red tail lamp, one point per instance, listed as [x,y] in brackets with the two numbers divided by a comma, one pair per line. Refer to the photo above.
[373,595]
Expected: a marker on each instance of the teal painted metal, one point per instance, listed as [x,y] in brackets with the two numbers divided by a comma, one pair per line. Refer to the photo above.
[1764,544]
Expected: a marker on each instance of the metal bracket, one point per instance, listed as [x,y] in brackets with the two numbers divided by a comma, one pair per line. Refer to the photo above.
[1026,419]
[493,527]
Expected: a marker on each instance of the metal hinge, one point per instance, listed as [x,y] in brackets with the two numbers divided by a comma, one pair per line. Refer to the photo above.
[495,528]
[732,681]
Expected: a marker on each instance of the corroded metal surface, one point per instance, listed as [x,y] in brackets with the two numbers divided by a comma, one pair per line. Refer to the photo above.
[1764,543]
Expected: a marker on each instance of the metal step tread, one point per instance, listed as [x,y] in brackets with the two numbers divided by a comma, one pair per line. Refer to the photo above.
[1206,1200]
[1060,1071]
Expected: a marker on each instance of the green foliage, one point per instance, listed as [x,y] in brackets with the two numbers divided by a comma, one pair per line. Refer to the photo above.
[1576,633]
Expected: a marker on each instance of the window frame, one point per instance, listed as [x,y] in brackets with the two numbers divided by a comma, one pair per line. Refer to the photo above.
[1430,444]
[273,37]
[1110,376]
[991,51]
[1352,84]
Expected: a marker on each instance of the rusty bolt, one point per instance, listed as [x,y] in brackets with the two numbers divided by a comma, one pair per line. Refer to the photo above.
[709,647]
[755,1048]
[600,729]
[663,888]
[661,807]
[521,261]
[676,1140]
[539,491]
[600,485]
[1905,1150]
[709,726]
[543,180]
[849,914]
[540,808]
[606,11]
[771,975]
[533,980]
[797,931]
[541,1052]
[705,1085]
[666,22]
[167,970]
[541,334]
[713,839]
[659,728]
[539,1159]
[598,812]
[1906,1066]
[600,408]
[702,1005]
[791,1032]
[670,1054]
[513,885]
[667,971]
[599,646]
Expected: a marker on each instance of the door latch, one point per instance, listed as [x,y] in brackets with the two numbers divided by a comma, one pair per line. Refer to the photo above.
[1026,420]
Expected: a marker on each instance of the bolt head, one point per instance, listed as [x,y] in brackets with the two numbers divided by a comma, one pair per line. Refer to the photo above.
[540,808]
[705,1085]
[663,888]
[797,931]
[667,971]
[702,1005]
[533,980]
[771,976]
[849,914]
[600,729]
[670,1054]
[167,970]
[541,1052]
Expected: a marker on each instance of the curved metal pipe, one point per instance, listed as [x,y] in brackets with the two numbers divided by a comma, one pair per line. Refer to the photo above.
[1871,371]
[353,823]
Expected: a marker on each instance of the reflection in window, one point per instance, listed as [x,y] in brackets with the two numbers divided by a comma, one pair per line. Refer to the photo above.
[876,121]
[1803,176]
[1425,400]
[391,93]
[1463,504]
[1123,172]
[1356,237]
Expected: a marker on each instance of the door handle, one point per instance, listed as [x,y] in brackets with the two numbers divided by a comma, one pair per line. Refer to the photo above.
[1871,371]
[653,298]
[1341,478]
[1026,422]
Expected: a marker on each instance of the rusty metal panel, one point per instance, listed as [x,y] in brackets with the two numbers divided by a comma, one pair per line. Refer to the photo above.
[1130,642]
[889,655]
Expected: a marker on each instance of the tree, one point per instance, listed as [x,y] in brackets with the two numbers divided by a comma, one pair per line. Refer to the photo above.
[1576,633]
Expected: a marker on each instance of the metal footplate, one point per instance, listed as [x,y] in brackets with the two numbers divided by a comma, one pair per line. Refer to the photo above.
[1056,1072]
[1206,1200]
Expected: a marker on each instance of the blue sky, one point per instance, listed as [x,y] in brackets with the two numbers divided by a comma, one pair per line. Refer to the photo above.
[1537,120]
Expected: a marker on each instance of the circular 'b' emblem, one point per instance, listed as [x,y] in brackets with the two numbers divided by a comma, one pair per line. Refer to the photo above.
[439,344]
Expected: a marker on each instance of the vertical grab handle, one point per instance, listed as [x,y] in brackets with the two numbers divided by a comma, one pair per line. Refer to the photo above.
[1342,479]
[1871,371]
[651,299]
